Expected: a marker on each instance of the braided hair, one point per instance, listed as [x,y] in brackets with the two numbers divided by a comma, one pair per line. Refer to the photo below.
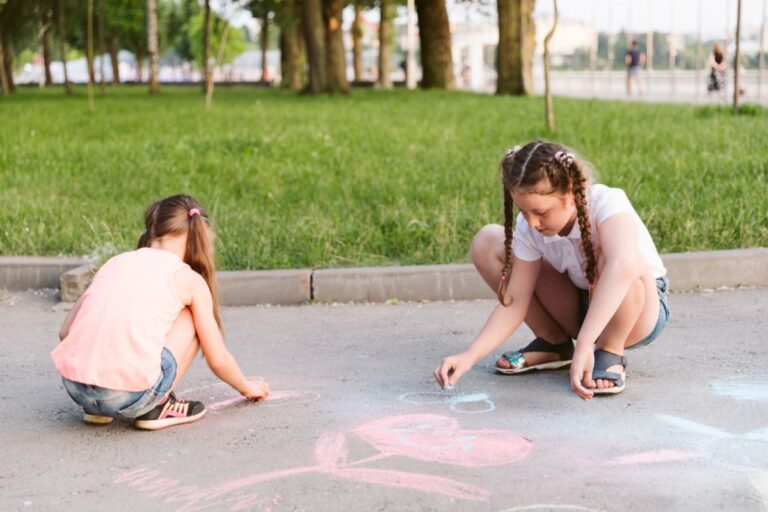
[545,168]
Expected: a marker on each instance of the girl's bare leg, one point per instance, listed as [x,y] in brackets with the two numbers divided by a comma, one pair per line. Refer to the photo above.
[182,342]
[553,311]
[633,321]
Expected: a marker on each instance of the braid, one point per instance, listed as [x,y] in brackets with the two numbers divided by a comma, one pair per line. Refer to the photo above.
[508,230]
[582,213]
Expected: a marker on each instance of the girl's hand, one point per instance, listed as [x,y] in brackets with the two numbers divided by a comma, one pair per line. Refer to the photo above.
[255,390]
[450,370]
[581,372]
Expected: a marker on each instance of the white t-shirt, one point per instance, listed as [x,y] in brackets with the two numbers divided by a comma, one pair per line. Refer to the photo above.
[565,254]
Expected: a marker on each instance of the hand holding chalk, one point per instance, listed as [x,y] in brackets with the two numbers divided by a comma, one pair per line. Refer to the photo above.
[255,390]
[450,370]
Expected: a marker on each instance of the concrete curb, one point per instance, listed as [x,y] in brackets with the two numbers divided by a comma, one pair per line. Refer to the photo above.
[687,271]
[19,273]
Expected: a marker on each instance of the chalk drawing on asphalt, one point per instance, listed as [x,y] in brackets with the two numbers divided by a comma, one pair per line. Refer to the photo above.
[468,403]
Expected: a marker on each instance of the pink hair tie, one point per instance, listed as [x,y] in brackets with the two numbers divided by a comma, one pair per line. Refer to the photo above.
[564,159]
[193,212]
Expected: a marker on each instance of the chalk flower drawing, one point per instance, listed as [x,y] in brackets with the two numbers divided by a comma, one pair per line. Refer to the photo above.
[424,437]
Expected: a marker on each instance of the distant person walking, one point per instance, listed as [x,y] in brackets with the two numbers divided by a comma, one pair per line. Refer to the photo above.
[717,67]
[634,58]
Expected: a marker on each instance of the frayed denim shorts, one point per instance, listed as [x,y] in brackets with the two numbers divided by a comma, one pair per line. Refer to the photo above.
[124,404]
[662,287]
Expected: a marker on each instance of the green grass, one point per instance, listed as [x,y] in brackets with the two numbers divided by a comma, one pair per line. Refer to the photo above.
[378,178]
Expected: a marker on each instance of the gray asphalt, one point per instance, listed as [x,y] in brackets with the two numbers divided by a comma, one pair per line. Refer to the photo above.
[357,423]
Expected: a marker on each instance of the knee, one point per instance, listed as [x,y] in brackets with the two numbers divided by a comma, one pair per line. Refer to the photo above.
[487,242]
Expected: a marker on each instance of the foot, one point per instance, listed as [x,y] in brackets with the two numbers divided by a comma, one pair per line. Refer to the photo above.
[95,419]
[607,384]
[609,373]
[538,355]
[170,413]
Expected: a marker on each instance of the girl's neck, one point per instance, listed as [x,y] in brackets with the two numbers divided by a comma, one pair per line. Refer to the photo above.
[175,244]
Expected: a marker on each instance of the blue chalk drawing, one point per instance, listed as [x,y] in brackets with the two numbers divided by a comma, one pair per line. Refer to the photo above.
[458,402]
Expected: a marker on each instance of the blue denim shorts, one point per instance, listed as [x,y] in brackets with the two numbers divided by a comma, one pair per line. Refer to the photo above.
[124,404]
[662,286]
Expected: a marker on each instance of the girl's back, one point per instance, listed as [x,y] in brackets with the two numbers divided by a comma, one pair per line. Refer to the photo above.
[120,329]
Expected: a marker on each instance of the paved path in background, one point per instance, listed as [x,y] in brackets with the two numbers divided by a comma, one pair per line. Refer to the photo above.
[357,423]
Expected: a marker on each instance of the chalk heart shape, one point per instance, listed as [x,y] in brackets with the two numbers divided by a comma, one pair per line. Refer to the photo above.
[435,438]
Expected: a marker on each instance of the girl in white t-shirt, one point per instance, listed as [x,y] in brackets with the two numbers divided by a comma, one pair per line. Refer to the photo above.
[581,265]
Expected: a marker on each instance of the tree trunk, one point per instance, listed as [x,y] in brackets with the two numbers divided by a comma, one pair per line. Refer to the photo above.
[206,45]
[314,35]
[516,45]
[336,57]
[154,85]
[264,48]
[89,44]
[89,36]
[115,62]
[385,35]
[357,34]
[736,59]
[3,76]
[435,39]
[63,48]
[102,46]
[46,48]
[549,111]
[139,65]
[289,59]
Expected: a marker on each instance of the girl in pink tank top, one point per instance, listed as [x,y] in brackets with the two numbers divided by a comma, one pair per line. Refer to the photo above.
[134,333]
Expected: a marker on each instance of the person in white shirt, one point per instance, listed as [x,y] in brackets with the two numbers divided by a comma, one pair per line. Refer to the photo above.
[581,265]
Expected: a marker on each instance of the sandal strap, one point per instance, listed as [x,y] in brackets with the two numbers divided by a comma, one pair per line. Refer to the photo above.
[564,349]
[604,360]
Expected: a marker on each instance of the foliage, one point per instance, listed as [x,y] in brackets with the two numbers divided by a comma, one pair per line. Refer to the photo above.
[377,178]
[235,44]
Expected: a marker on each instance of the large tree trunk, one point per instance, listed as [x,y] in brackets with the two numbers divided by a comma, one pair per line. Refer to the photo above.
[357,33]
[8,61]
[46,48]
[334,47]
[3,75]
[289,58]
[435,39]
[115,62]
[206,45]
[385,35]
[63,48]
[264,47]
[154,85]
[314,35]
[516,45]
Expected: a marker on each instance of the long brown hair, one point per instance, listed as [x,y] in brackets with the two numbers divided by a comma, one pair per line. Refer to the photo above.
[175,216]
[545,168]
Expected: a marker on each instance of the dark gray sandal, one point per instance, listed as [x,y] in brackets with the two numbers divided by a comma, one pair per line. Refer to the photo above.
[603,361]
[518,363]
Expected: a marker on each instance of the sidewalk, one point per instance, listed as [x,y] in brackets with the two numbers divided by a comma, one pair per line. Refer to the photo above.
[356,422]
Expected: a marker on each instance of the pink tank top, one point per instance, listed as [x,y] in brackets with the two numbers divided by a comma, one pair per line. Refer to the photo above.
[118,334]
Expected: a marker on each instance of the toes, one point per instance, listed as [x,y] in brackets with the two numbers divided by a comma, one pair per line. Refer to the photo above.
[502,363]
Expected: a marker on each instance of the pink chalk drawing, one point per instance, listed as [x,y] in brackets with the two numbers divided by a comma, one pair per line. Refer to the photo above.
[424,437]
[218,395]
[275,396]
[654,456]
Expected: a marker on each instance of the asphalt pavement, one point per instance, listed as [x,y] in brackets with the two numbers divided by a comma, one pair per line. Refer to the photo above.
[356,422]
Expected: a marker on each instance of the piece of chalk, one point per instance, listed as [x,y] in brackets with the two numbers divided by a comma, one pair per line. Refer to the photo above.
[448,387]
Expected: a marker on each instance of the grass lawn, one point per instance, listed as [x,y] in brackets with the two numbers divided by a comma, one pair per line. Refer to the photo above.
[377,178]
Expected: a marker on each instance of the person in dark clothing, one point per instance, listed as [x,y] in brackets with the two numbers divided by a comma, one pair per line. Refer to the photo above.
[634,59]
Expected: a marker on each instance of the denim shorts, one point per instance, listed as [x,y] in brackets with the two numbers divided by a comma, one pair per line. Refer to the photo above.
[124,404]
[662,287]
